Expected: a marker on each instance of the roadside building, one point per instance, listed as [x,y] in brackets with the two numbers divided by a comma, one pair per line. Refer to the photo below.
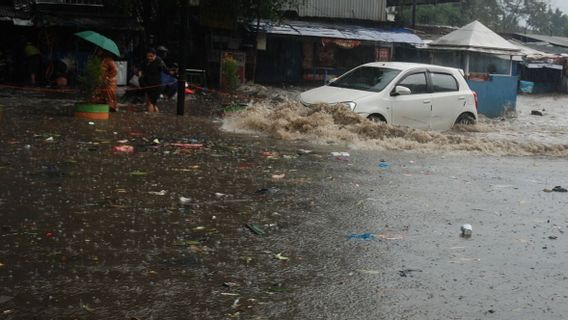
[545,67]
[50,26]
[488,61]
[318,40]
[316,51]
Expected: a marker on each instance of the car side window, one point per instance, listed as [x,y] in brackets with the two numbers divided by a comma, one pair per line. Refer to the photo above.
[443,82]
[416,83]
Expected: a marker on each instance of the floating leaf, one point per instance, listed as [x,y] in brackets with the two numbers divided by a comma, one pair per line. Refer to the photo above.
[88,308]
[138,173]
[183,243]
[281,257]
[256,229]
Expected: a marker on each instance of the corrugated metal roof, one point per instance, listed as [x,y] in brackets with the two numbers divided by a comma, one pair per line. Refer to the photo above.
[539,48]
[7,11]
[557,41]
[374,10]
[391,3]
[337,31]
[24,5]
[10,12]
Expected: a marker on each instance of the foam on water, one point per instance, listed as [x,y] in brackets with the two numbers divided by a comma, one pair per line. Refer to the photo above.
[332,125]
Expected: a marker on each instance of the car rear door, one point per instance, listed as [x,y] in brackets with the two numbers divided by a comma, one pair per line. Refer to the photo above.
[447,100]
[413,110]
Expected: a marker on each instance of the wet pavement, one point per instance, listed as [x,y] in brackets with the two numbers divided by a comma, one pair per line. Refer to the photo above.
[262,229]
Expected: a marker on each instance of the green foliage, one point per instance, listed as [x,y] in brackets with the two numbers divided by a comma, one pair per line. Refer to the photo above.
[230,71]
[91,79]
[533,16]
[234,107]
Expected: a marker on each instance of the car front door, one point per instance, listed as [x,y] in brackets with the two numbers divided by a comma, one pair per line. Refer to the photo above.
[413,110]
[447,100]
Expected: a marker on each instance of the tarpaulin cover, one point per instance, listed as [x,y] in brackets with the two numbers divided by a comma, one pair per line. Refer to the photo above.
[336,31]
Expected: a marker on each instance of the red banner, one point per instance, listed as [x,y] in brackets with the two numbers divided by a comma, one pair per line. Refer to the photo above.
[343,43]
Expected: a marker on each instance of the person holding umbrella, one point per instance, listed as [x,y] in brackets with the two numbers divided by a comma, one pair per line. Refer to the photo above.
[107,91]
[105,51]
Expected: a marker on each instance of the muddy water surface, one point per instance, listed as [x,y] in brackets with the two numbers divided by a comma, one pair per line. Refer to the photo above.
[88,233]
[521,134]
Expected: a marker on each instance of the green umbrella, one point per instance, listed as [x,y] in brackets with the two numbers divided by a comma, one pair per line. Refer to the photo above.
[99,40]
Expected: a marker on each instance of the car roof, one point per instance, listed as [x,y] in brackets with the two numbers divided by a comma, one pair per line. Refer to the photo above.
[409,65]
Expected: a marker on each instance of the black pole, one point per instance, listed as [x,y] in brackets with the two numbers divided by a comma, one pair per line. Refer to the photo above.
[414,14]
[182,77]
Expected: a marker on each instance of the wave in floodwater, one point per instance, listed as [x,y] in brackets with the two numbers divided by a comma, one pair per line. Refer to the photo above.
[332,125]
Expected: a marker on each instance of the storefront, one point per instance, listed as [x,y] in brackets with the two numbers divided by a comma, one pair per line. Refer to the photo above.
[308,51]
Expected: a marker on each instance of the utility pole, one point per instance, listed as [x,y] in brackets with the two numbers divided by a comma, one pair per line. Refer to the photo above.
[414,14]
[182,77]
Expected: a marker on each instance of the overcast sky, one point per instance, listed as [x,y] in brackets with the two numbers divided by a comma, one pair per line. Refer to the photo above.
[561,4]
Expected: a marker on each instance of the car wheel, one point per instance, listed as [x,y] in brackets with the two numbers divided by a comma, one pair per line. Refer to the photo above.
[466,119]
[377,118]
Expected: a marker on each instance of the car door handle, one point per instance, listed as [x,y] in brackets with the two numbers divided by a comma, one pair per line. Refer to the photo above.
[427,101]
[461,98]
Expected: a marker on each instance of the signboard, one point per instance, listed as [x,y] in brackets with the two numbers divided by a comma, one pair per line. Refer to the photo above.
[342,43]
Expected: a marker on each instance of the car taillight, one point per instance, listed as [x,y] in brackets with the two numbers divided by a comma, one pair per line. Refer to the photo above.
[476,100]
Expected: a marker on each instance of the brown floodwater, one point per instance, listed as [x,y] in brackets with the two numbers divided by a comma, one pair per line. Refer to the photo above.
[89,233]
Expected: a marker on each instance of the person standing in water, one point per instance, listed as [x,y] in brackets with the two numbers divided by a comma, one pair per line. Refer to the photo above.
[152,79]
[107,91]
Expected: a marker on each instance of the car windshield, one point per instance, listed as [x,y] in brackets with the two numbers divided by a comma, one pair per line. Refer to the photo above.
[366,78]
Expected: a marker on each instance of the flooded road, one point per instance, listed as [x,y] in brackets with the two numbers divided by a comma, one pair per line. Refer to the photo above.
[417,266]
[265,229]
[519,134]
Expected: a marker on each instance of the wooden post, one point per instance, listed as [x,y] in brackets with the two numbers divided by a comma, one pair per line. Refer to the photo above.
[511,67]
[466,64]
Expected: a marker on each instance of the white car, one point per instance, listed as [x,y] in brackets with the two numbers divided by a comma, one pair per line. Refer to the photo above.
[414,95]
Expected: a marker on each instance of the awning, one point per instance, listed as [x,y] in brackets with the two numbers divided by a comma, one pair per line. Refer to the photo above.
[336,31]
[531,51]
[544,65]
[23,22]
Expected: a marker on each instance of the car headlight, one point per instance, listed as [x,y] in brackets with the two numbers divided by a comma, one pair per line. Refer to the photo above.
[349,104]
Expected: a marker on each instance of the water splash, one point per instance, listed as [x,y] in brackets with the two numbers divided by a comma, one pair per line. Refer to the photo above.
[323,124]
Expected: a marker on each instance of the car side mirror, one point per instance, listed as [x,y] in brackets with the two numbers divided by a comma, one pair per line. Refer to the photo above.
[401,91]
[332,80]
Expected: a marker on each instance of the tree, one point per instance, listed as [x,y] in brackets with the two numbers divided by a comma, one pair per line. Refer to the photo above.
[538,16]
[513,13]
[558,23]
[488,12]
[500,15]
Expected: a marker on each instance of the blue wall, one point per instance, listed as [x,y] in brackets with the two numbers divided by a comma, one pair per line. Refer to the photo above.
[496,95]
